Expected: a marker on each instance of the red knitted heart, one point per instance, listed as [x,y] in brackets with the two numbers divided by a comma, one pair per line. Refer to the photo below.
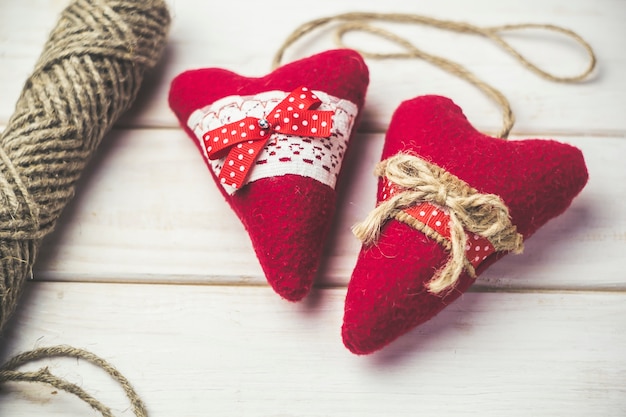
[536,179]
[288,200]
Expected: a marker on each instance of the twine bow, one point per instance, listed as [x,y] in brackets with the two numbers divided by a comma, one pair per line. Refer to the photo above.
[243,140]
[484,215]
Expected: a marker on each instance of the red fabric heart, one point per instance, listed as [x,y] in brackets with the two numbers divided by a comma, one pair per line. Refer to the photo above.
[537,180]
[287,216]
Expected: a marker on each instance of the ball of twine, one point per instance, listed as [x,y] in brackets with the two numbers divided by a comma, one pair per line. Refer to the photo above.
[89,74]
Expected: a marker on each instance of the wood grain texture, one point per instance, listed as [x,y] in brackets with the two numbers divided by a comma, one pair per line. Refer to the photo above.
[150,269]
[199,350]
[148,211]
[202,36]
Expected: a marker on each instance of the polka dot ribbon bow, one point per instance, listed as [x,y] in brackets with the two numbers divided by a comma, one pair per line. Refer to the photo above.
[243,140]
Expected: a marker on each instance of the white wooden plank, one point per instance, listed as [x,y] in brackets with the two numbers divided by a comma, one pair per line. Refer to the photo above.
[203,36]
[146,208]
[198,350]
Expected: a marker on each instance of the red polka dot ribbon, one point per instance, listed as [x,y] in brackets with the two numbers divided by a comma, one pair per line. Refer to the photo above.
[243,140]
[437,219]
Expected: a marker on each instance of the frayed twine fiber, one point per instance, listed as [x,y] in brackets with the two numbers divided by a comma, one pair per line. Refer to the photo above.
[89,74]
[485,215]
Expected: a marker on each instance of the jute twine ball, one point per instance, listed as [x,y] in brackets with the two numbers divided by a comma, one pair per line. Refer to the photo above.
[89,74]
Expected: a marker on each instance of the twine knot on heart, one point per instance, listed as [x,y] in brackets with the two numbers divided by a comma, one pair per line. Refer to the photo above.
[469,214]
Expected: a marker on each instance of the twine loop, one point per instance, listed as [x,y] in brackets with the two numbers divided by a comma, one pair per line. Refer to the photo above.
[362,22]
[485,215]
[9,373]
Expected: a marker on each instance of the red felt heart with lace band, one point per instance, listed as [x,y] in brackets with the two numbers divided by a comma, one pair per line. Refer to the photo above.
[275,146]
[520,184]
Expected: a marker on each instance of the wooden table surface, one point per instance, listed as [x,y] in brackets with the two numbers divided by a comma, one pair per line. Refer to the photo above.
[136,274]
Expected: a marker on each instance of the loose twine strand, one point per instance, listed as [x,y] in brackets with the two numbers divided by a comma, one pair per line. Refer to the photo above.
[360,21]
[9,373]
[485,215]
[87,76]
